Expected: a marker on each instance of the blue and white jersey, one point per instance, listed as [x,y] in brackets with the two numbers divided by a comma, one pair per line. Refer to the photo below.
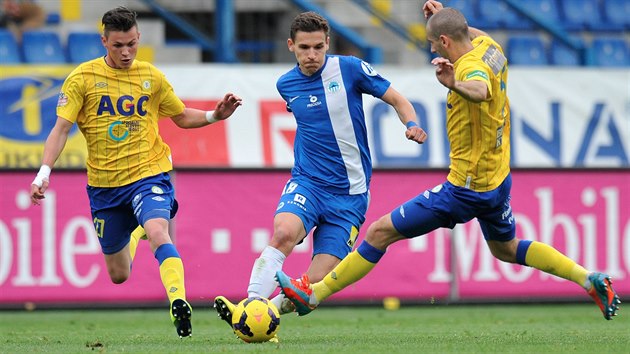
[331,144]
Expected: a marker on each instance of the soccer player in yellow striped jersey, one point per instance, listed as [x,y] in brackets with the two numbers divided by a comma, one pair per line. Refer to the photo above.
[118,112]
[116,102]
[479,132]
[474,69]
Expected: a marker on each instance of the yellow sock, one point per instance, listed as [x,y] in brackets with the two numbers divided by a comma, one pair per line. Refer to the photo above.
[134,239]
[549,260]
[350,270]
[172,274]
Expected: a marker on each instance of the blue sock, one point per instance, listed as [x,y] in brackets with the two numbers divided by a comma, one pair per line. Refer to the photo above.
[165,251]
[369,252]
[521,251]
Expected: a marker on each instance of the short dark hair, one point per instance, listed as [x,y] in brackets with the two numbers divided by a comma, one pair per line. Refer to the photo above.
[449,22]
[309,22]
[120,19]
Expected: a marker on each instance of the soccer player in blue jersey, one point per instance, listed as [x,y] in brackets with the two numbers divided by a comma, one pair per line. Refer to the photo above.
[472,65]
[329,186]
[116,101]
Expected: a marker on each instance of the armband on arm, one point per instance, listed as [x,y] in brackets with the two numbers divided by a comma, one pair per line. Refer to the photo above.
[411,123]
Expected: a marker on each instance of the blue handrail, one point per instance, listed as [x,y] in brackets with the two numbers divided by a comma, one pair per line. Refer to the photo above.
[372,54]
[224,28]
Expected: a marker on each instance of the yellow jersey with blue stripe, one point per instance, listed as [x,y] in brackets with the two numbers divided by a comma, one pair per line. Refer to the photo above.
[117,110]
[479,133]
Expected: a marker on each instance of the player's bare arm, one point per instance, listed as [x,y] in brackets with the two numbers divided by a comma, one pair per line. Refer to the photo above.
[406,114]
[196,118]
[475,32]
[431,7]
[474,91]
[53,147]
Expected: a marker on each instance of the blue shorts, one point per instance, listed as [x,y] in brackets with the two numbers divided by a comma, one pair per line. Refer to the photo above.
[447,205]
[337,218]
[116,212]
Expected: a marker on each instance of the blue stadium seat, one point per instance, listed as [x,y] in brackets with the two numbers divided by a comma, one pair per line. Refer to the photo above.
[9,49]
[84,46]
[42,47]
[526,50]
[495,14]
[467,7]
[615,15]
[580,15]
[545,10]
[563,55]
[609,51]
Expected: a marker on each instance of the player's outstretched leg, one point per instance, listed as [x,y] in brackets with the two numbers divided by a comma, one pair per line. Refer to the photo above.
[602,292]
[224,309]
[298,291]
[181,313]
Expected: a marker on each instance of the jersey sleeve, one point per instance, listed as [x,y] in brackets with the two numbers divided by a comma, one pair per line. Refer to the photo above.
[475,70]
[70,101]
[170,104]
[280,84]
[368,79]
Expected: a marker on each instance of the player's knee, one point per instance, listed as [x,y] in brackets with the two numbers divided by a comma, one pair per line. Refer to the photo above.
[505,257]
[283,237]
[118,276]
[380,234]
[504,254]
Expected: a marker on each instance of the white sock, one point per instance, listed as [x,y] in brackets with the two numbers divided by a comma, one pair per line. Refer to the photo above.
[262,281]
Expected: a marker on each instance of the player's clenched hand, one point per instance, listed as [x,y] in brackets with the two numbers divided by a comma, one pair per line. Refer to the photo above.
[416,134]
[37,192]
[227,106]
[431,7]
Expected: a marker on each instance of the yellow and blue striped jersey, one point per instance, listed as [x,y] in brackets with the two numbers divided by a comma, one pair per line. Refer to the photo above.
[117,110]
[479,133]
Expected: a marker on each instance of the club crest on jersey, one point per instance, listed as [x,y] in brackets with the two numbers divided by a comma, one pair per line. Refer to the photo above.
[146,84]
[333,86]
[368,69]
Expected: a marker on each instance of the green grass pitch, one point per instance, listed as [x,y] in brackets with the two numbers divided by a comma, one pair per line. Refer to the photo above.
[535,328]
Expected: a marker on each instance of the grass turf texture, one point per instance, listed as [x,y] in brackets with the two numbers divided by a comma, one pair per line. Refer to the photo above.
[558,328]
